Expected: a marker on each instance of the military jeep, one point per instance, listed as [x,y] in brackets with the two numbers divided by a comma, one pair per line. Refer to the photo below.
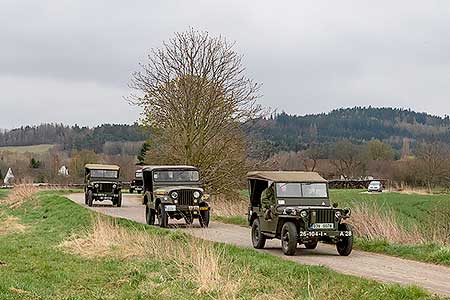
[300,212]
[137,183]
[101,182]
[174,192]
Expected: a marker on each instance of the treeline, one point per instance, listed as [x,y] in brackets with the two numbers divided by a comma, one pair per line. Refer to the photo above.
[284,132]
[73,137]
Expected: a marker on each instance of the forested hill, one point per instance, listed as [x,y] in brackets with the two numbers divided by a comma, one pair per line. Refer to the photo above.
[282,132]
[73,137]
[359,124]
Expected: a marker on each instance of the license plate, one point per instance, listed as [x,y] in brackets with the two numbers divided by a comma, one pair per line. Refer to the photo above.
[323,226]
[170,207]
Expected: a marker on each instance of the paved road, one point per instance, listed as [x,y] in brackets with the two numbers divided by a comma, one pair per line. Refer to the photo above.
[383,268]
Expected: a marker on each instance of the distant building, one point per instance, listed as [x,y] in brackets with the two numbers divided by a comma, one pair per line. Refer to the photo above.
[9,177]
[63,171]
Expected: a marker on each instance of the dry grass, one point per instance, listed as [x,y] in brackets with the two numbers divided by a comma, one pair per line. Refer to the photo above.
[11,225]
[370,222]
[19,195]
[224,207]
[196,259]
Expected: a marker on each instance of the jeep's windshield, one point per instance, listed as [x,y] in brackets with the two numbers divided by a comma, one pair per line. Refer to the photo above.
[176,176]
[104,174]
[138,174]
[302,190]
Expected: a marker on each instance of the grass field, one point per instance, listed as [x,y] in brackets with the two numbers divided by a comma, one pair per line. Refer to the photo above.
[37,149]
[35,263]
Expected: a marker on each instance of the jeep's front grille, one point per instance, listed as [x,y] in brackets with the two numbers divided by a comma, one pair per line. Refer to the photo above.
[105,187]
[324,216]
[138,182]
[186,197]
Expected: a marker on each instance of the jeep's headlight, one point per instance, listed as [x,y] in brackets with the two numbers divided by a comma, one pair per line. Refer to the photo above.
[96,185]
[303,214]
[174,195]
[347,212]
[114,186]
[338,214]
[196,194]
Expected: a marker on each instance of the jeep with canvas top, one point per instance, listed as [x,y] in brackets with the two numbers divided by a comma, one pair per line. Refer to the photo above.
[299,212]
[101,182]
[174,192]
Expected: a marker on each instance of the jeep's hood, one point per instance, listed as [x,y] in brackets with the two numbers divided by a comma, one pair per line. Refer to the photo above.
[102,180]
[168,189]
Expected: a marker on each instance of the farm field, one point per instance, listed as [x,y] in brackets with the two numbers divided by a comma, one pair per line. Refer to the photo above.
[37,149]
[75,254]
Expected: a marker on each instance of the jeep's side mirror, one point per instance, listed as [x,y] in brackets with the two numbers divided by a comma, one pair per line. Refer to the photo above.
[335,205]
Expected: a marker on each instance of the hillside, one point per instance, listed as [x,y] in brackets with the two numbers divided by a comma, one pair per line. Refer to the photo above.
[281,132]
[360,124]
[72,138]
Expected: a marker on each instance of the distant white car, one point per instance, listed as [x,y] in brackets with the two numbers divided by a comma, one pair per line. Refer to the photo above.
[375,186]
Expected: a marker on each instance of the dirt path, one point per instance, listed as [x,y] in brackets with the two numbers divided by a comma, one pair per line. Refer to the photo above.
[384,268]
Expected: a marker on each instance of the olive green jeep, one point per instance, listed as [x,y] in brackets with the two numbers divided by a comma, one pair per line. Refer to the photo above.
[174,192]
[299,213]
[137,183]
[101,182]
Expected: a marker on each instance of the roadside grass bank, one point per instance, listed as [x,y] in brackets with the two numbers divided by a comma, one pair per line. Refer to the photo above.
[413,226]
[69,252]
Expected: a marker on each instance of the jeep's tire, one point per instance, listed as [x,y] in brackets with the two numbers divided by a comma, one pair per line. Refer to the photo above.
[289,238]
[188,219]
[345,245]
[139,192]
[163,217]
[150,215]
[90,198]
[258,238]
[204,218]
[85,198]
[119,199]
[131,191]
[311,244]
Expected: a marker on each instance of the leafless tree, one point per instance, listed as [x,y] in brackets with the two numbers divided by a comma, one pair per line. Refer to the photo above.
[195,96]
[433,163]
[347,159]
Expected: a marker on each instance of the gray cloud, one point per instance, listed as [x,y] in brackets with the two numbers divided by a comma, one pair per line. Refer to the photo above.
[66,61]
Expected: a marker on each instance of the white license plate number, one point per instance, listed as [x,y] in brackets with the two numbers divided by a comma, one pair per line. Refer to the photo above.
[170,208]
[323,226]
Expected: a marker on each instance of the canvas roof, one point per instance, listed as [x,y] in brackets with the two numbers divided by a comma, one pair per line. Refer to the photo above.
[102,167]
[169,167]
[286,176]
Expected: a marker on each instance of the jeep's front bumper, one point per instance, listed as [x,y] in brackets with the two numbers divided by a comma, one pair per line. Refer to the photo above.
[302,234]
[105,196]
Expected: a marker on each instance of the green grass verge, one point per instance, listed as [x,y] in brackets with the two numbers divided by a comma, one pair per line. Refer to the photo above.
[34,267]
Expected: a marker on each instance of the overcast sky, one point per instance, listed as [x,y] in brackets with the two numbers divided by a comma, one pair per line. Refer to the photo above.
[70,61]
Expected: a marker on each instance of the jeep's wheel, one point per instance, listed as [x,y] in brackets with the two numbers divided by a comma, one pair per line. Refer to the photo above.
[204,218]
[139,192]
[188,218]
[258,238]
[289,238]
[85,198]
[131,191]
[345,245]
[149,216]
[311,244]
[119,199]
[90,198]
[163,218]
